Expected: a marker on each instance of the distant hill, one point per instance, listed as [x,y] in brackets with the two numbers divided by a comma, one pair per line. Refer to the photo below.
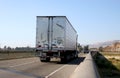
[103,44]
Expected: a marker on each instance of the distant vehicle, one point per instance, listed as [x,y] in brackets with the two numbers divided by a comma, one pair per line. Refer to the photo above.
[86,51]
[55,37]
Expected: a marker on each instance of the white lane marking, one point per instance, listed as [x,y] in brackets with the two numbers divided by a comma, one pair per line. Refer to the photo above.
[23,64]
[55,71]
[77,68]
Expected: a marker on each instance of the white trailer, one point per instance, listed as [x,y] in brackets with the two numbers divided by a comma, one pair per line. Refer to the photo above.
[55,37]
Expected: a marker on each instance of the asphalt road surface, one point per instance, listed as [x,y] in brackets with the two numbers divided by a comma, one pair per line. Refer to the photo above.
[33,68]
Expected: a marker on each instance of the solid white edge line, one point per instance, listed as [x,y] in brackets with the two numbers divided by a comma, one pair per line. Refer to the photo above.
[23,64]
[54,72]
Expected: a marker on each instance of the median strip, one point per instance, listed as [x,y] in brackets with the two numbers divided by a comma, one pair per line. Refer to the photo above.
[86,69]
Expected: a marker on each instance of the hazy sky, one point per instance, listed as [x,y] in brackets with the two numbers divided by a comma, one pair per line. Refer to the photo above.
[94,20]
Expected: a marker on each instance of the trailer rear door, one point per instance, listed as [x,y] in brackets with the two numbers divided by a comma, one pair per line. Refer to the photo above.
[50,32]
[58,34]
[42,33]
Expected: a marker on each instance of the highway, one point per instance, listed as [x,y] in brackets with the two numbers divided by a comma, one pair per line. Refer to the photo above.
[33,68]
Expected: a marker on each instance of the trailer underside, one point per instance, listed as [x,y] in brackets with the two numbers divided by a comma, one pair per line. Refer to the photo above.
[63,55]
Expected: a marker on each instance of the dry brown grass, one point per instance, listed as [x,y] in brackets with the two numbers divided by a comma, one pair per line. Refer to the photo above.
[4,55]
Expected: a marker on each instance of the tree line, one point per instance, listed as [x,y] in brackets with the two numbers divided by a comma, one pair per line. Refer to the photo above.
[8,48]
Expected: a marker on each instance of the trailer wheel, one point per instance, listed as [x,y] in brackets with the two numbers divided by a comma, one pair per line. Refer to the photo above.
[76,56]
[44,59]
[47,59]
[63,60]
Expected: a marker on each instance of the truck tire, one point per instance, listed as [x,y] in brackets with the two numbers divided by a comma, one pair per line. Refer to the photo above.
[76,56]
[45,59]
[48,59]
[42,60]
[63,60]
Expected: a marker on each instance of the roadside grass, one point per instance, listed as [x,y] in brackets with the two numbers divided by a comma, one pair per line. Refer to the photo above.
[108,68]
[7,55]
[110,54]
[115,62]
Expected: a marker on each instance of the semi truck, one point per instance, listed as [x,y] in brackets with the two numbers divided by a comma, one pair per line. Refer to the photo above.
[55,38]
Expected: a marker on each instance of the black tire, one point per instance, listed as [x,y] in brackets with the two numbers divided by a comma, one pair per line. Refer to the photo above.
[42,60]
[63,60]
[46,60]
[76,56]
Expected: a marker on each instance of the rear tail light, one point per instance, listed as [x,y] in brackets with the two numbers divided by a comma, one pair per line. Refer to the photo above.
[39,45]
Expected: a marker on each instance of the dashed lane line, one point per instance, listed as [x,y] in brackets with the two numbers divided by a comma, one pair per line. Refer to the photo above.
[23,64]
[55,71]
